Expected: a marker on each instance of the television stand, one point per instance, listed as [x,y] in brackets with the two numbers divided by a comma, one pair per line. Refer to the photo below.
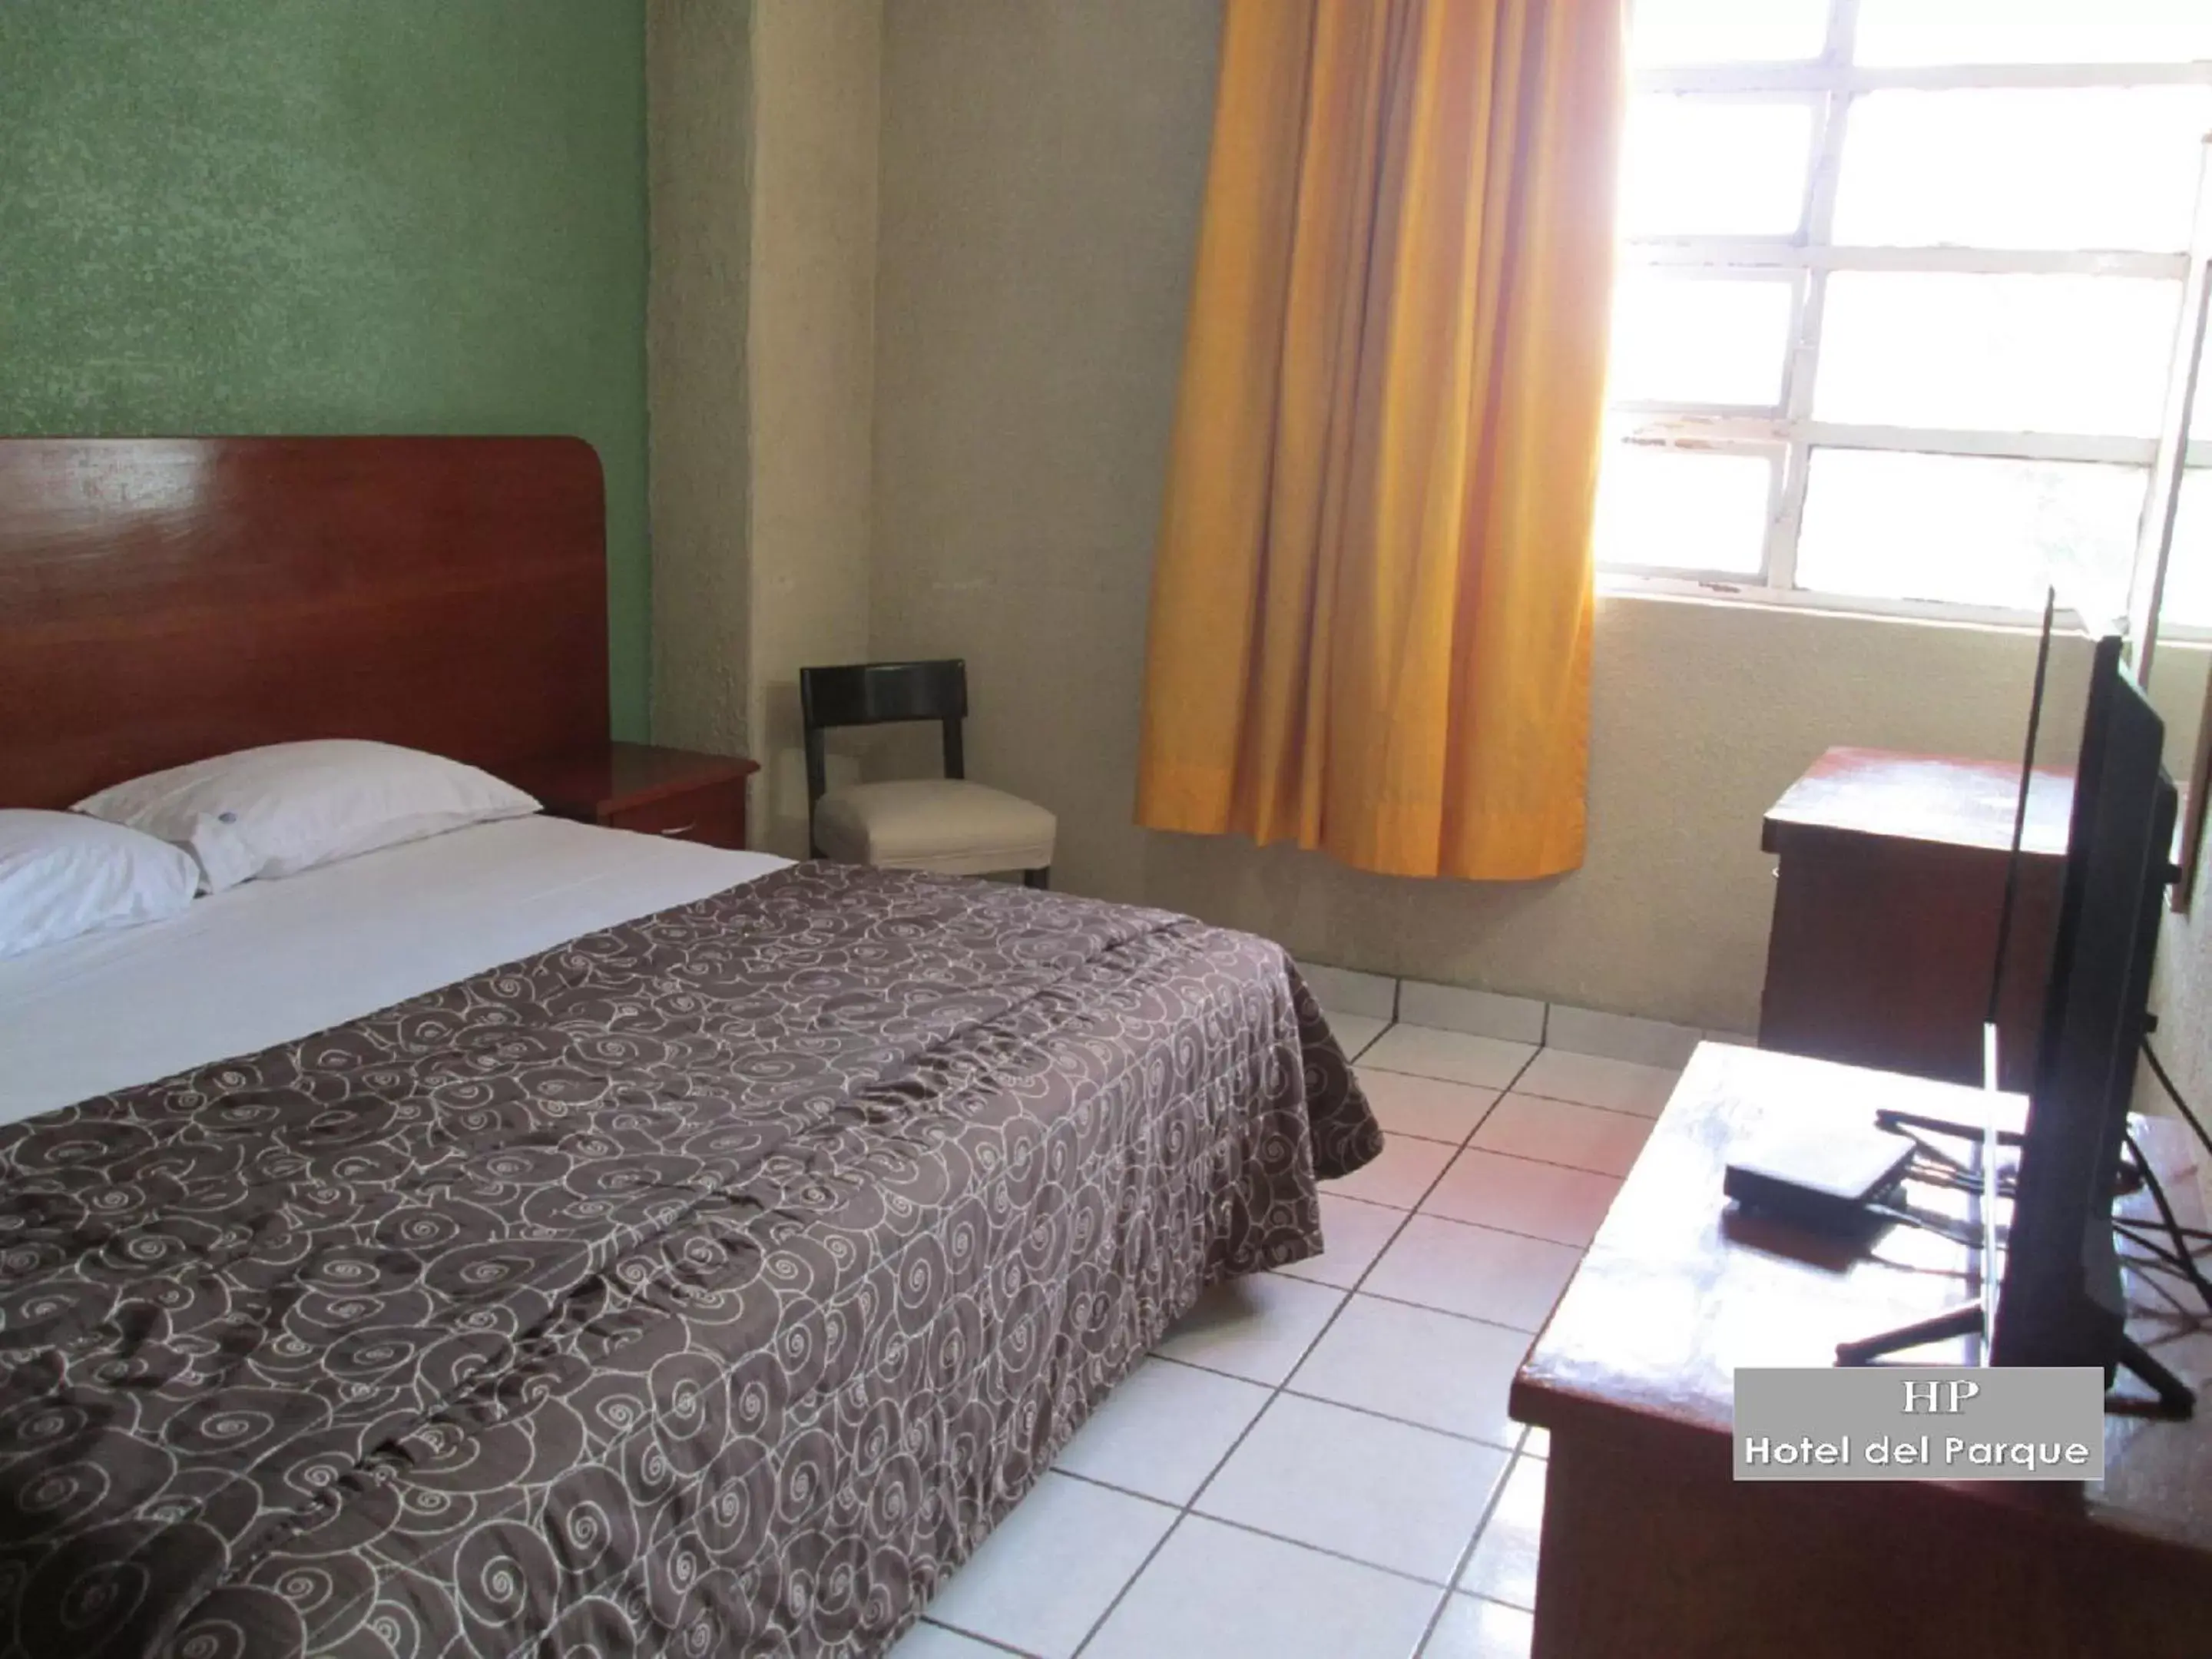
[1651,1545]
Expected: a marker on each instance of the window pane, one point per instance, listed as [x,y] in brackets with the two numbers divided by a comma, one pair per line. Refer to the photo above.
[1971,531]
[2082,169]
[2004,354]
[1683,509]
[2033,31]
[1730,30]
[1699,340]
[2187,601]
[1711,166]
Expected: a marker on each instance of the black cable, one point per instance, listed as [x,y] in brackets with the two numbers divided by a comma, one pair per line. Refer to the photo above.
[1956,1177]
[2159,1256]
[2156,1283]
[1950,1179]
[1941,1226]
[1929,1148]
[2187,1263]
[2174,1095]
[2156,1274]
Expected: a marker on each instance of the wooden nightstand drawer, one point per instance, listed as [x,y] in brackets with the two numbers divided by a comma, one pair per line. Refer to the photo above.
[714,815]
[640,786]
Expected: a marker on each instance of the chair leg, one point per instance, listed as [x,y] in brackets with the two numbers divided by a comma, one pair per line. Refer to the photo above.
[1040,879]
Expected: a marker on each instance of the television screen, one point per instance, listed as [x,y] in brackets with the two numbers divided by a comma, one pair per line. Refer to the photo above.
[2061,1301]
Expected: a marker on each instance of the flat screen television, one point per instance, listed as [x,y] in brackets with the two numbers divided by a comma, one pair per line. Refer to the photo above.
[2060,1301]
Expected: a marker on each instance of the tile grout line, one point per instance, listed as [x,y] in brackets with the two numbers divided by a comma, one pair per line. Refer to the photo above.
[1281,1390]
[1514,1088]
[1467,1557]
[1318,1400]
[1469,1146]
[1497,1491]
[1453,1313]
[1520,1094]
[1438,1215]
[991,1642]
[1542,1045]
[1275,1393]
[1130,1582]
[1456,1082]
[1523,1157]
[1444,1606]
[1459,1435]
[1444,1599]
[1591,1105]
[1546,1007]
[1273,1537]
[1318,1549]
[1437,1613]
[1321,1399]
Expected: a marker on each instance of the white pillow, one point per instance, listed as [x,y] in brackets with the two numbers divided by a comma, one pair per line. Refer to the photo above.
[62,876]
[278,811]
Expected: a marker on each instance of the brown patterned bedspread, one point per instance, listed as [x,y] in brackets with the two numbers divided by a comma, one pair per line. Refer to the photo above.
[710,1284]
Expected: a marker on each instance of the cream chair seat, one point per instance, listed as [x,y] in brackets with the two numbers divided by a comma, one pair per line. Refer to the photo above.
[946,824]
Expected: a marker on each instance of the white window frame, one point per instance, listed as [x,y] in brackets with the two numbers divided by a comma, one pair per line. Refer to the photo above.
[1805,257]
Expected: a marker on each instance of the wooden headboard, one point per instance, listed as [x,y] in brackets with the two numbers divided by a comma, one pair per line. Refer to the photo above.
[163,599]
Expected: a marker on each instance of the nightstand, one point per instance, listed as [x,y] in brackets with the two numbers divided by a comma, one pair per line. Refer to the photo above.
[1892,874]
[675,793]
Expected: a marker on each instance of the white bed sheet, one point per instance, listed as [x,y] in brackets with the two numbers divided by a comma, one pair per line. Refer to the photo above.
[270,961]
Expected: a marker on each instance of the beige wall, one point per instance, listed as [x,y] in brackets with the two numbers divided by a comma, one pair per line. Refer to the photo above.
[698,77]
[2181,992]
[817,119]
[2181,978]
[764,124]
[1043,161]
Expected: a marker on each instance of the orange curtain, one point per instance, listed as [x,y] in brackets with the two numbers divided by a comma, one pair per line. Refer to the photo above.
[1370,621]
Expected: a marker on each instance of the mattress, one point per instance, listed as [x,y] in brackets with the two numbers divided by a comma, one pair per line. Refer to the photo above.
[709,1282]
[275,960]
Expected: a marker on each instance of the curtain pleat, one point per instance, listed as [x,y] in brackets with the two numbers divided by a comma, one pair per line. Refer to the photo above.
[1371,603]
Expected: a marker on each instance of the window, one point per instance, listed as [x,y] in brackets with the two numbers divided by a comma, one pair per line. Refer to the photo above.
[1899,286]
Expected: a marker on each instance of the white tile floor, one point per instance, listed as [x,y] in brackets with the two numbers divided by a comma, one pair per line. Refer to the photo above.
[1316,1463]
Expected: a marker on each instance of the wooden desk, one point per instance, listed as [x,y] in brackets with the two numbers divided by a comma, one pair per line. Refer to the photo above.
[1651,1547]
[1891,876]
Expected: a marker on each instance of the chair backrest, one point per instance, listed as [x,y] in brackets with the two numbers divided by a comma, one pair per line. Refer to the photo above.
[878,694]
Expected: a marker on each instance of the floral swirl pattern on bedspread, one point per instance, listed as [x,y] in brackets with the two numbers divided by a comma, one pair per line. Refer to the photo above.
[708,1285]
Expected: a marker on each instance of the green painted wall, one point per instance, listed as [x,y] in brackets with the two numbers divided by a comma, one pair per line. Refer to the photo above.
[334,216]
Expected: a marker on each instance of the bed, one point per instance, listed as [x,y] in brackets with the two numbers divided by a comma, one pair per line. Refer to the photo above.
[541,1237]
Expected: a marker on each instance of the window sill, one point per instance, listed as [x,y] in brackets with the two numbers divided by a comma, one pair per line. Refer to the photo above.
[1745,591]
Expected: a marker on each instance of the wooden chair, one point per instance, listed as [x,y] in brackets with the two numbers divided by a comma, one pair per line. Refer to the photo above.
[945,824]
